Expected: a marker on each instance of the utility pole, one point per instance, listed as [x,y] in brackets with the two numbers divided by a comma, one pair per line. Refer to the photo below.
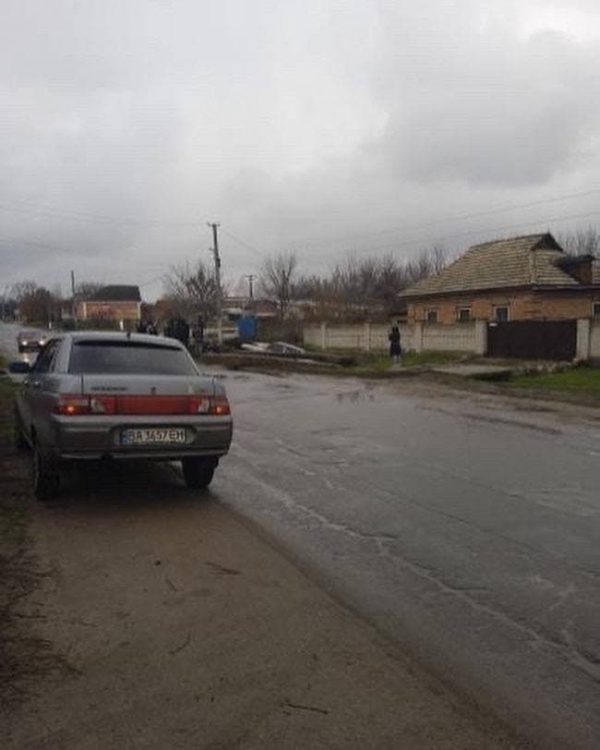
[73,296]
[250,278]
[215,250]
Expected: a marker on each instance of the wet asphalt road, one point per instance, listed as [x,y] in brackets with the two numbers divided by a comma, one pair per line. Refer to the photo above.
[466,528]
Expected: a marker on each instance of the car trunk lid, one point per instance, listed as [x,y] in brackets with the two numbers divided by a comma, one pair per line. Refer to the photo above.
[140,395]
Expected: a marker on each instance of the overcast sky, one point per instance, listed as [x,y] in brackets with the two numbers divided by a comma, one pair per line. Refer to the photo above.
[320,126]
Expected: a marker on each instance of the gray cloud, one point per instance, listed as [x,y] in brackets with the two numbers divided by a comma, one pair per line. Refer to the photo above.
[361,126]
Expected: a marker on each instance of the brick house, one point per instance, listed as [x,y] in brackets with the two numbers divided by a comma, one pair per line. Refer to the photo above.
[523,278]
[113,302]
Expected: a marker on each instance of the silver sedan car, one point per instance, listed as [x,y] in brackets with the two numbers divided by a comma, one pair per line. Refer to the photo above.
[119,396]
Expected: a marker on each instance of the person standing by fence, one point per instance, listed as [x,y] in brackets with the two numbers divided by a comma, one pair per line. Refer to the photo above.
[395,347]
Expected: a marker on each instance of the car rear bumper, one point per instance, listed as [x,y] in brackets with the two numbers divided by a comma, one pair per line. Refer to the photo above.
[86,438]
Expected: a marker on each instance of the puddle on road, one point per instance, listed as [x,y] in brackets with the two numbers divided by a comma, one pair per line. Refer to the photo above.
[356,396]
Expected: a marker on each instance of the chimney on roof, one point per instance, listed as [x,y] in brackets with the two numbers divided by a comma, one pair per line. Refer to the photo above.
[580,267]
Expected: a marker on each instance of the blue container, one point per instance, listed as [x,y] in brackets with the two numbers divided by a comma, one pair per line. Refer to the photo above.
[247,328]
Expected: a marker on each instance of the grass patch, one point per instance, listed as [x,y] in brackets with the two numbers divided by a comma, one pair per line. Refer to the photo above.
[577,380]
[423,359]
[377,363]
[338,362]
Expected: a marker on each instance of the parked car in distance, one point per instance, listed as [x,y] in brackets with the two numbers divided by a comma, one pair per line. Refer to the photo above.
[31,341]
[100,395]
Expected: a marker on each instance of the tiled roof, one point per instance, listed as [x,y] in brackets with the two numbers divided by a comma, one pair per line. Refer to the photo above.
[516,262]
[116,293]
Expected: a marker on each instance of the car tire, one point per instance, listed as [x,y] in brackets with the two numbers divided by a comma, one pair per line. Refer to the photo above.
[197,473]
[46,479]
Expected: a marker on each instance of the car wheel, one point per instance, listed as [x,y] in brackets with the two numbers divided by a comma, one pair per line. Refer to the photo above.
[197,473]
[18,438]
[46,480]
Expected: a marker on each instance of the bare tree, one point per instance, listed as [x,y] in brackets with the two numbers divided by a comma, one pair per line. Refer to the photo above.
[192,290]
[277,278]
[366,286]
[581,242]
[22,289]
[86,289]
[37,306]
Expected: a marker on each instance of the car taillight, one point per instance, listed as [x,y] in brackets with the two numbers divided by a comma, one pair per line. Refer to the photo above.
[70,405]
[219,406]
[73,405]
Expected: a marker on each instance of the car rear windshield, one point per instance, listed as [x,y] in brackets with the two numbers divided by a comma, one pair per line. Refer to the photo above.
[129,358]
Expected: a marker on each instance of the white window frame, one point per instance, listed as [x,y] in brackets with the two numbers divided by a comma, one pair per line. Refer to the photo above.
[458,312]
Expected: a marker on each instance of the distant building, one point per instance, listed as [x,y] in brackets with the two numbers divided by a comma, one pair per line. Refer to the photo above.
[113,302]
[522,278]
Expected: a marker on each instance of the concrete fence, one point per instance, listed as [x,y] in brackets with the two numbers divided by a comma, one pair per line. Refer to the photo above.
[595,340]
[460,337]
[588,339]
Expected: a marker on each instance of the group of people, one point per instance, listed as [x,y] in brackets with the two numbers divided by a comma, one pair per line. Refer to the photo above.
[178,328]
[147,326]
[190,336]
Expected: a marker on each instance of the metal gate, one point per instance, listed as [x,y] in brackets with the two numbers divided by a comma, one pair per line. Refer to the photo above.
[533,339]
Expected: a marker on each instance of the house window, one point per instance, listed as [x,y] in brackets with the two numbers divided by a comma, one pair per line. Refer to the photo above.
[501,314]
[463,314]
[432,316]
[596,309]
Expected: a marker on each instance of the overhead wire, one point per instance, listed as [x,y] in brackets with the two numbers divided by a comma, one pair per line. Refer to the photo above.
[70,215]
[534,224]
[454,218]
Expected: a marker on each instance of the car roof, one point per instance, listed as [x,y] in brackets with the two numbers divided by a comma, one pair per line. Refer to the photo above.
[121,336]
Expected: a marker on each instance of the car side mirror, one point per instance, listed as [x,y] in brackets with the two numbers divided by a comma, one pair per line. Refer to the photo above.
[19,368]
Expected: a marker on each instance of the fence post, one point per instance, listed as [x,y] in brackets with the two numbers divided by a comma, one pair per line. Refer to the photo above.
[323,335]
[481,332]
[417,336]
[583,339]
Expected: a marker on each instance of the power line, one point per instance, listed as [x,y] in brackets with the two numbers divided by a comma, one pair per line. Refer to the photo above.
[506,227]
[81,216]
[12,242]
[84,216]
[457,217]
[151,281]
[243,243]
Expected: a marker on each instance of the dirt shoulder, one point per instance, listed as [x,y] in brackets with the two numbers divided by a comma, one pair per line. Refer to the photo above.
[578,386]
[20,652]
[150,617]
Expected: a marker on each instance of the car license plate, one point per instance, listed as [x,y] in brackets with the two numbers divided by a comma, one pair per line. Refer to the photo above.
[153,436]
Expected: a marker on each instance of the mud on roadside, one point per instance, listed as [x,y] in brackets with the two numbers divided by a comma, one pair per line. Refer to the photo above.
[24,657]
